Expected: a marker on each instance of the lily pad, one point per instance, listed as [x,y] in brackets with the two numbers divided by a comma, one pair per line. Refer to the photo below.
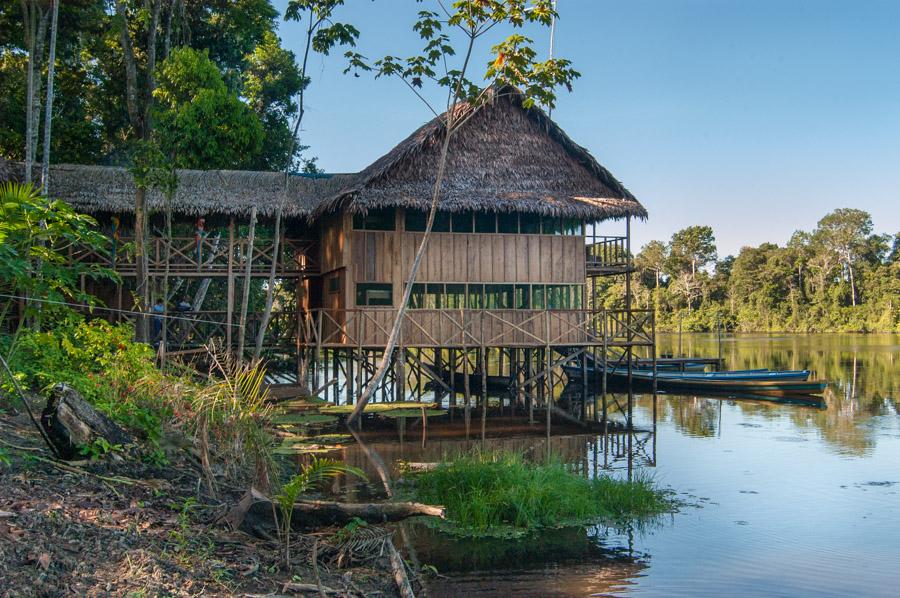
[412,413]
[377,407]
[304,419]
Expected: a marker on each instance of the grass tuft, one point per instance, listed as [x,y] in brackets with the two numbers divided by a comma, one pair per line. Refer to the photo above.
[501,494]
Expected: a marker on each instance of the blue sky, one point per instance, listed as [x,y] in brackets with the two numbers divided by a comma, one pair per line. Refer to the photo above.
[754,117]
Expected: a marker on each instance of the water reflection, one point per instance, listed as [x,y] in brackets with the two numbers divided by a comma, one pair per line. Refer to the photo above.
[863,373]
[564,562]
[787,499]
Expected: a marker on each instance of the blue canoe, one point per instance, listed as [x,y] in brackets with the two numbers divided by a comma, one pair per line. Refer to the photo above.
[729,376]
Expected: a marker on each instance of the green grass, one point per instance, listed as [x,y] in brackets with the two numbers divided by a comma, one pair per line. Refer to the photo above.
[504,495]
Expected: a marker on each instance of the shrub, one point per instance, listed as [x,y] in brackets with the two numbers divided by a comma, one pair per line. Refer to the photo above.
[99,360]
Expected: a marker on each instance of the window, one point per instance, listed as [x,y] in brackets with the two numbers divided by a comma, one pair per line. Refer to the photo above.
[476,296]
[417,297]
[508,223]
[529,224]
[455,297]
[577,293]
[382,219]
[551,226]
[374,294]
[537,297]
[461,222]
[498,296]
[334,284]
[414,221]
[558,296]
[485,222]
[572,226]
[434,295]
[523,297]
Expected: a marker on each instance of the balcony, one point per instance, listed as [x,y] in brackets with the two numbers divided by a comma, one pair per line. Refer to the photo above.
[607,256]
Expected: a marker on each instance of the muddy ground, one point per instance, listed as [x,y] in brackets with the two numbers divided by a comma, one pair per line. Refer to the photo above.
[123,527]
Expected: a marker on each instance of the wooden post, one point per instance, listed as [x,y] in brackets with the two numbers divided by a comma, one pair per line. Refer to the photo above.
[529,387]
[584,385]
[604,363]
[467,396]
[229,308]
[484,392]
[629,320]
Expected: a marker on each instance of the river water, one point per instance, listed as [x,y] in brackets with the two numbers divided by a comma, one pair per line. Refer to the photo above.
[779,500]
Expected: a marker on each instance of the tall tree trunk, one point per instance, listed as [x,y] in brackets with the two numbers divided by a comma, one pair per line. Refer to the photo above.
[245,294]
[40,37]
[270,289]
[48,104]
[29,19]
[852,284]
[142,283]
[383,365]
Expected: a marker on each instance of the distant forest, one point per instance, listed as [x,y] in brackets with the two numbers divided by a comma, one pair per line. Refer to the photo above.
[839,277]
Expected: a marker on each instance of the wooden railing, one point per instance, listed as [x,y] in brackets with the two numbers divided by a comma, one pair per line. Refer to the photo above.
[209,257]
[606,255]
[194,329]
[434,328]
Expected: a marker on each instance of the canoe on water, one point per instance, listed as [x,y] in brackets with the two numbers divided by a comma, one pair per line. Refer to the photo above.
[728,376]
[765,383]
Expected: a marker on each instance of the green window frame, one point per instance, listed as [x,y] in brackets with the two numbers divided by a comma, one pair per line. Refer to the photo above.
[374,294]
[498,296]
[523,297]
[538,296]
[379,219]
[455,296]
[475,296]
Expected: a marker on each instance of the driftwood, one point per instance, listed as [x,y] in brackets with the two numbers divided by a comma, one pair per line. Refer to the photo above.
[71,423]
[255,513]
[398,569]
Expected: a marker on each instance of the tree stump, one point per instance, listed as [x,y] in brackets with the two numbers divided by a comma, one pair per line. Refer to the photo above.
[71,423]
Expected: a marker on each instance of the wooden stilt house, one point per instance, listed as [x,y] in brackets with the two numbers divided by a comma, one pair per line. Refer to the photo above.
[508,266]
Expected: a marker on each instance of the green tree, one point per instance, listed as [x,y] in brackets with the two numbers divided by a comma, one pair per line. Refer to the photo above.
[201,124]
[36,235]
[692,248]
[844,232]
[652,260]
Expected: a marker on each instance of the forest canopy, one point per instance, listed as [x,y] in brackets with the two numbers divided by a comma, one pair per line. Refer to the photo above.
[838,277]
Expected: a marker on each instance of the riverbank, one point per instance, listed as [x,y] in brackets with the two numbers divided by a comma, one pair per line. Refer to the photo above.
[124,527]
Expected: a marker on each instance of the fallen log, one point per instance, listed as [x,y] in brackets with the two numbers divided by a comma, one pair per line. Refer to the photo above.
[255,513]
[72,423]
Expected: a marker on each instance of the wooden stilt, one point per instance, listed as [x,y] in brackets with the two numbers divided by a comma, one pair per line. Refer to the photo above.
[484,392]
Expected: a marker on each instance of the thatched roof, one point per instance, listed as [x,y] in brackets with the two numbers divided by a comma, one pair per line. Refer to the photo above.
[505,158]
[94,189]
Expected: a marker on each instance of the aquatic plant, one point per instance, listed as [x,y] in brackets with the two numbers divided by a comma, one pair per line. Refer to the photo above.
[502,494]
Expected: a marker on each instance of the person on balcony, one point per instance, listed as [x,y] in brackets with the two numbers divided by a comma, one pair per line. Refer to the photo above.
[158,310]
